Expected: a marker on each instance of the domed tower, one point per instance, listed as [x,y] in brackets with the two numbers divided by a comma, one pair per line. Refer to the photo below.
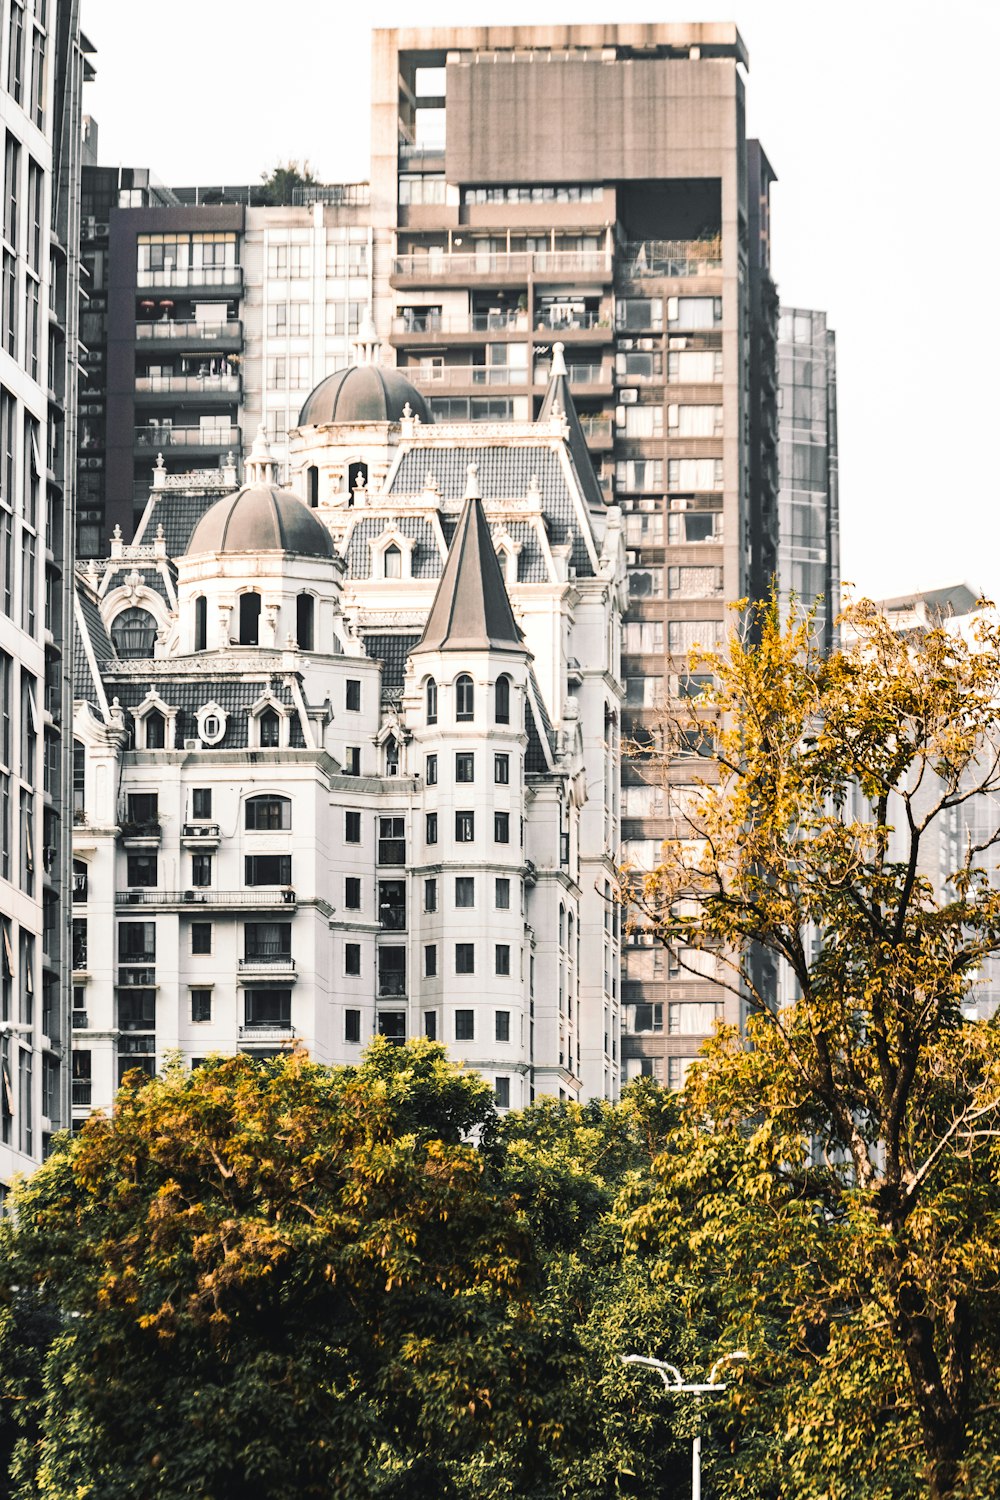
[260,570]
[349,427]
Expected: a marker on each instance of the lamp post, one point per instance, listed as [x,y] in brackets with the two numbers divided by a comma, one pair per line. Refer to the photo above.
[680,1387]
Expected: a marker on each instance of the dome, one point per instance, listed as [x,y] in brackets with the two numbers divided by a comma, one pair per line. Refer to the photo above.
[362,393]
[261,518]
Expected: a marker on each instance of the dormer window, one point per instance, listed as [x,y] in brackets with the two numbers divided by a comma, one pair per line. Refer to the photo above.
[392,562]
[133,634]
[155,728]
[212,720]
[270,724]
[392,756]
[270,729]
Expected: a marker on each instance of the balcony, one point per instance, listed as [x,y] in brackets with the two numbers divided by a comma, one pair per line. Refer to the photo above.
[82,1089]
[267,1033]
[513,268]
[664,258]
[597,431]
[262,896]
[435,328]
[592,380]
[200,835]
[81,1020]
[201,387]
[268,966]
[216,439]
[191,278]
[140,835]
[574,327]
[448,377]
[208,336]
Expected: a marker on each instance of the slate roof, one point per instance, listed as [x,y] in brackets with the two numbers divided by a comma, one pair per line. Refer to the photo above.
[84,686]
[505,473]
[471,610]
[234,696]
[148,571]
[425,560]
[558,394]
[391,651]
[178,513]
[535,761]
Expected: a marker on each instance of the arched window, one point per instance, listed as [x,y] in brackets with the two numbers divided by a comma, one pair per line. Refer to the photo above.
[392,562]
[356,472]
[464,701]
[503,700]
[249,619]
[432,701]
[133,633]
[156,730]
[304,612]
[312,486]
[269,726]
[201,623]
[392,756]
[268,813]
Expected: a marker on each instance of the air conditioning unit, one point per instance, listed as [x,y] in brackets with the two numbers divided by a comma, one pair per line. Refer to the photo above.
[192,744]
[89,227]
[628,397]
[679,503]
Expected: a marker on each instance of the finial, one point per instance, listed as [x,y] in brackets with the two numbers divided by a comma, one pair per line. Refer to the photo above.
[534,487]
[261,466]
[407,410]
[558,362]
[472,490]
[367,347]
[159,461]
[160,533]
[116,535]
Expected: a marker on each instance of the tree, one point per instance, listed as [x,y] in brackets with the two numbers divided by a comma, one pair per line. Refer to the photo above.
[279,184]
[840,1171]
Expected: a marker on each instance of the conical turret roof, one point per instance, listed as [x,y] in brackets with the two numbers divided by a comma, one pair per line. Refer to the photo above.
[471,610]
[559,396]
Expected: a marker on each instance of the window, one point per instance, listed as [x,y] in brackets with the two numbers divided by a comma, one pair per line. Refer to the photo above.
[430,1025]
[391,841]
[465,827]
[677,1069]
[694,473]
[137,1010]
[430,960]
[693,1017]
[694,312]
[352,1026]
[352,828]
[352,959]
[249,619]
[268,813]
[200,623]
[352,893]
[502,965]
[392,756]
[133,633]
[648,1018]
[136,942]
[269,729]
[140,869]
[267,940]
[502,893]
[431,770]
[352,760]
[465,958]
[392,562]
[431,828]
[201,869]
[641,421]
[155,730]
[392,904]
[501,828]
[465,1026]
[268,869]
[392,971]
[694,421]
[465,890]
[464,700]
[201,1005]
[305,607]
[465,766]
[685,635]
[503,1025]
[501,769]
[432,701]
[501,1093]
[392,1025]
[352,695]
[694,583]
[502,700]
[690,527]
[201,802]
[201,937]
[269,1008]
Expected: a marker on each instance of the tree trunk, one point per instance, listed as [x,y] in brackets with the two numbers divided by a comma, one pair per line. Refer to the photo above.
[941,1411]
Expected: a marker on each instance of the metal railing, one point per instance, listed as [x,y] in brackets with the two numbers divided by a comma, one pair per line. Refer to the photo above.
[555,321]
[671,258]
[186,437]
[182,384]
[450,375]
[577,374]
[432,322]
[596,429]
[336,194]
[267,961]
[191,276]
[255,896]
[81,1020]
[202,333]
[516,263]
[267,1031]
[82,1089]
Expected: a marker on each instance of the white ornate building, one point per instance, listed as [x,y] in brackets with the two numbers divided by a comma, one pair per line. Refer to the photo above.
[347,754]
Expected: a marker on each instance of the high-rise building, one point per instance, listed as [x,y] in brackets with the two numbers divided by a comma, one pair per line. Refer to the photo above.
[809,526]
[44,68]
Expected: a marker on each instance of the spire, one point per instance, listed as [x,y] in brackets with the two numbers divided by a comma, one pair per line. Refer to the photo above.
[558,400]
[471,610]
[260,466]
[367,346]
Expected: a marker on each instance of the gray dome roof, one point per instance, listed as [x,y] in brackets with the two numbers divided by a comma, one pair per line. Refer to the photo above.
[362,393]
[261,518]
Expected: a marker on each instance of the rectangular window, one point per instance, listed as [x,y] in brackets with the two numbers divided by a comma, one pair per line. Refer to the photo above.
[647,1017]
[352,828]
[465,890]
[465,958]
[142,811]
[694,366]
[694,583]
[137,942]
[693,312]
[693,1017]
[501,769]
[465,763]
[503,1025]
[431,771]
[392,971]
[352,695]
[639,313]
[431,828]
[645,583]
[465,827]
[201,1005]
[15,52]
[430,895]
[638,474]
[391,841]
[268,869]
[201,937]
[352,959]
[352,893]
[201,802]
[352,760]
[502,965]
[392,905]
[694,421]
[694,473]
[201,869]
[267,940]
[688,528]
[641,421]
[430,1025]
[430,960]
[465,1026]
[501,828]
[501,1093]
[685,635]
[502,893]
[392,1025]
[269,1008]
[268,814]
[352,1026]
[677,1070]
[140,869]
[137,1010]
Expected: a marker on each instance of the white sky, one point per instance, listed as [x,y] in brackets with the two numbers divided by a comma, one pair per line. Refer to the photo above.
[880,119]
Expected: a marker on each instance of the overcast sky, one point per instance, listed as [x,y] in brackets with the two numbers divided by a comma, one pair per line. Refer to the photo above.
[880,119]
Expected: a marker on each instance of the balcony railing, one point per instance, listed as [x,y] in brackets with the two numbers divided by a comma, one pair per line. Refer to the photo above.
[201,333]
[432,322]
[507,264]
[81,1021]
[222,436]
[391,986]
[671,258]
[553,320]
[452,375]
[578,374]
[82,1089]
[269,961]
[255,896]
[188,384]
[336,194]
[267,1031]
[191,276]
[596,429]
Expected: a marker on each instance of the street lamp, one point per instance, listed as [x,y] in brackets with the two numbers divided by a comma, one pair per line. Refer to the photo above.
[680,1387]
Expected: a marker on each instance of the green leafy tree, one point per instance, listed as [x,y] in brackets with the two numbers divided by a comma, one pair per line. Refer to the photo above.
[278,185]
[831,1197]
